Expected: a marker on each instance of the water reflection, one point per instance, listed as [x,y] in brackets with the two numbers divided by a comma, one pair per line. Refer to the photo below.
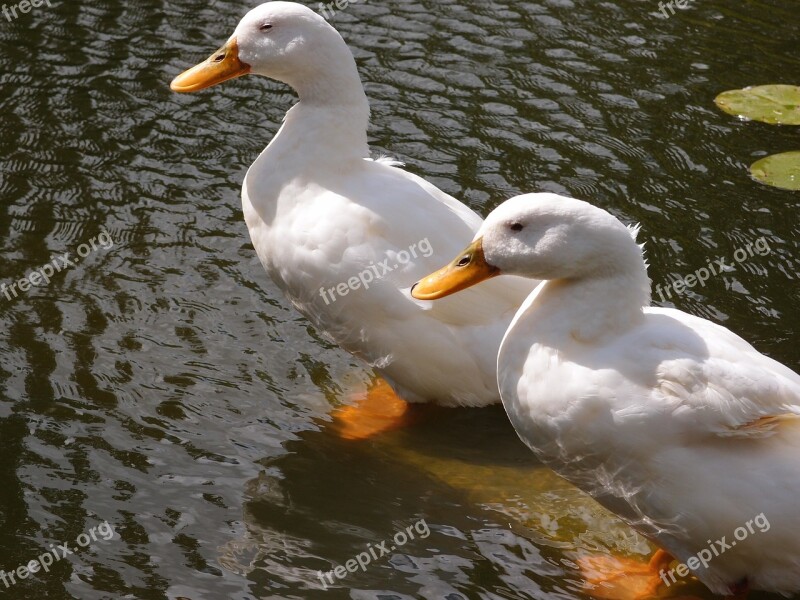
[166,387]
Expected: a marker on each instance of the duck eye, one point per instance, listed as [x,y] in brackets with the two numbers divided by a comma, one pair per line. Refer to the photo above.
[517,227]
[465,260]
[265,27]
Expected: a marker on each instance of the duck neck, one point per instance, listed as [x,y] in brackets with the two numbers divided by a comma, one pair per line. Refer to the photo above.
[328,126]
[592,307]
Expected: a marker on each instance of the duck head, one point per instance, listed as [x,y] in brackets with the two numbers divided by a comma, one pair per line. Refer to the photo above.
[539,236]
[284,41]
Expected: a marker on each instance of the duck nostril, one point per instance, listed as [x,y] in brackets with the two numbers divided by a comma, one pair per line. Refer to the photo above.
[219,58]
[464,261]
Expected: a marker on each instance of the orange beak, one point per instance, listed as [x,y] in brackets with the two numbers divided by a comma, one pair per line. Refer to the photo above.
[221,66]
[470,268]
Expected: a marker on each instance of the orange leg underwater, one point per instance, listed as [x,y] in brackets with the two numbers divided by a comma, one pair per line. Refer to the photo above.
[377,411]
[612,578]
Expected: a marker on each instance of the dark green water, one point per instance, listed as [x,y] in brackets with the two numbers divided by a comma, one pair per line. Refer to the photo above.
[164,386]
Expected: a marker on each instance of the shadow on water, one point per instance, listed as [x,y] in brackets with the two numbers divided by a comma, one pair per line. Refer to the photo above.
[350,494]
[481,494]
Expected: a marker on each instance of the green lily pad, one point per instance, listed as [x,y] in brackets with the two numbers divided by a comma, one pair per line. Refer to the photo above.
[779,170]
[773,104]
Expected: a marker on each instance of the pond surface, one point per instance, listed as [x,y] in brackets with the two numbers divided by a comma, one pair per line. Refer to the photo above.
[163,385]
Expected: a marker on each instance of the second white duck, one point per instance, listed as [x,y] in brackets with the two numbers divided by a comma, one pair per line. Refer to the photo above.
[672,422]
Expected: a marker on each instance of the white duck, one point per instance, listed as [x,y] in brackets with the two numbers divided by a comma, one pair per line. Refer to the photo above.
[672,422]
[320,213]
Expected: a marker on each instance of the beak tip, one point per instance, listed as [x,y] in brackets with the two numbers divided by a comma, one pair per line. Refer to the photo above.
[424,295]
[176,86]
